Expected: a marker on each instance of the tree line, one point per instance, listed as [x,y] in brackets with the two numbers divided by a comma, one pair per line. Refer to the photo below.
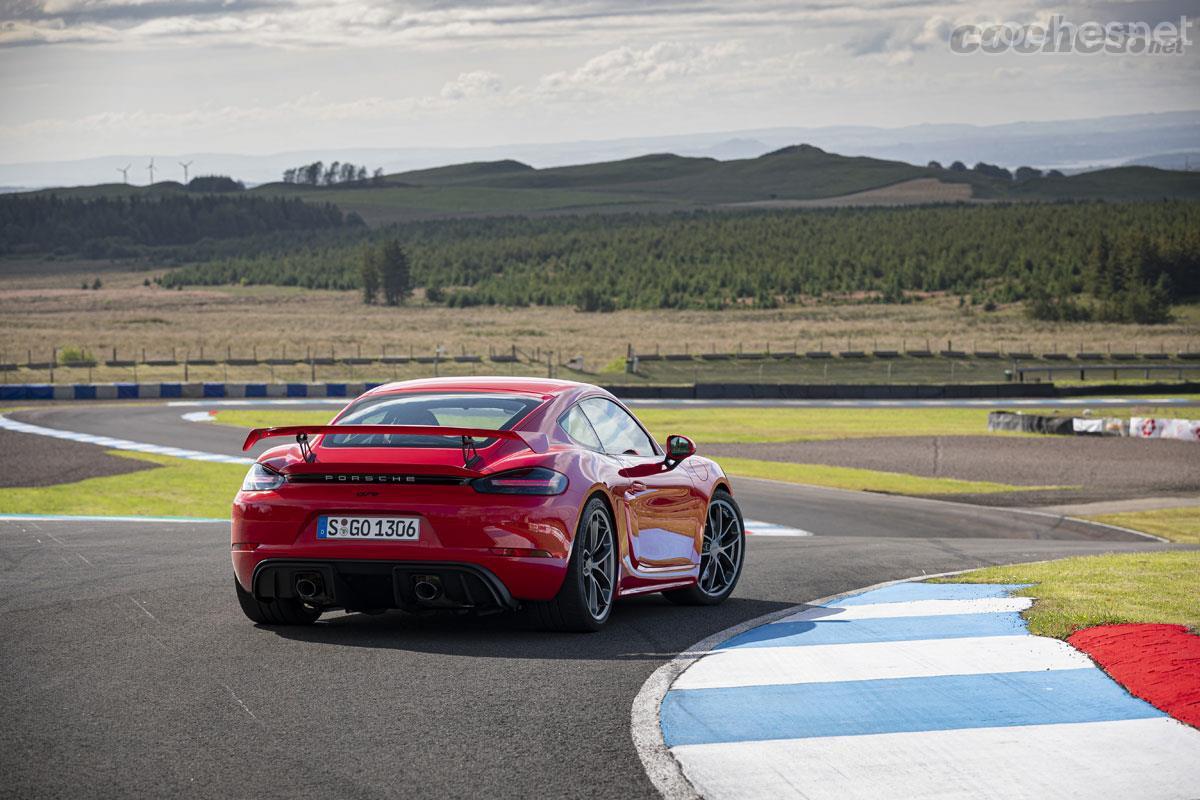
[319,174]
[994,171]
[118,226]
[1045,254]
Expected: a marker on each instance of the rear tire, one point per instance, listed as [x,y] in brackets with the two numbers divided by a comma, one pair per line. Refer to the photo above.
[279,611]
[721,556]
[585,600]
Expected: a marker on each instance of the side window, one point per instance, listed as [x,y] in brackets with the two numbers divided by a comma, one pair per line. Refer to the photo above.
[617,430]
[579,429]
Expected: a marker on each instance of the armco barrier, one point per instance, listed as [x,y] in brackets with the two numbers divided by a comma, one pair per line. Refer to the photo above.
[701,391]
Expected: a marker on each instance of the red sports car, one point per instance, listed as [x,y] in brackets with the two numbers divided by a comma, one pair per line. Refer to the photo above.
[481,495]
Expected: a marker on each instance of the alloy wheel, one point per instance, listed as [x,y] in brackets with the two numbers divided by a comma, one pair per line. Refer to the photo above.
[721,553]
[599,565]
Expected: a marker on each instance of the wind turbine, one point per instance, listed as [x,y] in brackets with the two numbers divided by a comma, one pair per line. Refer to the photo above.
[185,165]
[151,168]
[124,172]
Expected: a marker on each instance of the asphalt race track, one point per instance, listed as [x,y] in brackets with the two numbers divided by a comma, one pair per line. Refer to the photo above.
[127,668]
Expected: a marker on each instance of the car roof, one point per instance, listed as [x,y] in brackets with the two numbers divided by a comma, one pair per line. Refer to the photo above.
[474,383]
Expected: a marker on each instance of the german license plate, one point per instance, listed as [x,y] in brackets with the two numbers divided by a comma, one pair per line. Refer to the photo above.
[394,529]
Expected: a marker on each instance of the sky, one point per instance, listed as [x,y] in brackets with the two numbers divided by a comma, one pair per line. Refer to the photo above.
[85,78]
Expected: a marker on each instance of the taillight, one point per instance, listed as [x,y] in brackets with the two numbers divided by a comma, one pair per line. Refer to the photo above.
[536,480]
[261,478]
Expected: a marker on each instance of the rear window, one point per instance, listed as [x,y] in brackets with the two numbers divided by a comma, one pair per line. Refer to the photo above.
[468,410]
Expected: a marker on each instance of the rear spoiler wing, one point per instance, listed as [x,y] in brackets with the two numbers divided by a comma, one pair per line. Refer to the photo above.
[537,442]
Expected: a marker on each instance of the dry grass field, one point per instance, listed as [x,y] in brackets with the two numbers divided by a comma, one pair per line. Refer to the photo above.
[42,307]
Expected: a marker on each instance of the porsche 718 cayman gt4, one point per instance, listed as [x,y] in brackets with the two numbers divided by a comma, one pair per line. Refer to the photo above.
[481,495]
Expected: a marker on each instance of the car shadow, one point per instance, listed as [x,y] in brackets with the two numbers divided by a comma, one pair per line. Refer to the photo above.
[640,629]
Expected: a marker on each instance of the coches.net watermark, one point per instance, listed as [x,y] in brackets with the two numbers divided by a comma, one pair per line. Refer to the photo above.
[1061,36]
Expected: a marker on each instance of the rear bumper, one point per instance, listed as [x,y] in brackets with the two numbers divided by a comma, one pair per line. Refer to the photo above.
[373,584]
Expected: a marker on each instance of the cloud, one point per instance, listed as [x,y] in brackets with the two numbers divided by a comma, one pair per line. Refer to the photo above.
[625,67]
[469,85]
[374,23]
[900,43]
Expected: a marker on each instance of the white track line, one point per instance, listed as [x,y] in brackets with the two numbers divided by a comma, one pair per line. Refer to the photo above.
[120,444]
[756,529]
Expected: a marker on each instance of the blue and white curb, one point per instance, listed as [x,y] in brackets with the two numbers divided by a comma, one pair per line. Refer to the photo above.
[120,444]
[159,391]
[910,690]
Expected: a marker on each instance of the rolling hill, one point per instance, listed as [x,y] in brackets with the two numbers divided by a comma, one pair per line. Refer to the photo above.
[800,175]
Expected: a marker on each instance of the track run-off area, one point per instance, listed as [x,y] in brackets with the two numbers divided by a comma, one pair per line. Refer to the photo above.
[129,670]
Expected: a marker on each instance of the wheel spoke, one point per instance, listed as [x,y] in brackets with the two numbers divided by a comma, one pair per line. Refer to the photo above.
[602,580]
[602,550]
[593,597]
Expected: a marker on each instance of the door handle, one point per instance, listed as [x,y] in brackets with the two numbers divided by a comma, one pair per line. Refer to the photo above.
[637,487]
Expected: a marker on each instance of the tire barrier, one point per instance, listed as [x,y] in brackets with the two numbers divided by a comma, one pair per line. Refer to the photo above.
[1187,430]
[1030,423]
[1137,427]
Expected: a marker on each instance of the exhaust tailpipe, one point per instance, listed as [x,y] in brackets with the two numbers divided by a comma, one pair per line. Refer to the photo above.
[427,589]
[307,588]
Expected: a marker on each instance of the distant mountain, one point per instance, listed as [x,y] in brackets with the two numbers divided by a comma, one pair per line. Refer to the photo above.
[1063,144]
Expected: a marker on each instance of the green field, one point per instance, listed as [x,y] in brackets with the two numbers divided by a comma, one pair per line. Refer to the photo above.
[747,425]
[1173,524]
[174,488]
[1077,593]
[751,425]
[732,425]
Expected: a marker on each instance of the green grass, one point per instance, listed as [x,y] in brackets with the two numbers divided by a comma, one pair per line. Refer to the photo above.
[1175,524]
[738,425]
[268,418]
[742,424]
[175,488]
[866,480]
[1077,593]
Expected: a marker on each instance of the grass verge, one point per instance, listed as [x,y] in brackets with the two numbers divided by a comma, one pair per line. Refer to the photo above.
[865,479]
[738,425]
[1175,524]
[176,488]
[755,425]
[270,418]
[1077,593]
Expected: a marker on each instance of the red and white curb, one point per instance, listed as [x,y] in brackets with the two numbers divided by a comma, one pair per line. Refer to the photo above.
[904,690]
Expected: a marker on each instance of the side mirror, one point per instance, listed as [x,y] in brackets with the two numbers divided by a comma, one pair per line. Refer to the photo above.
[679,448]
